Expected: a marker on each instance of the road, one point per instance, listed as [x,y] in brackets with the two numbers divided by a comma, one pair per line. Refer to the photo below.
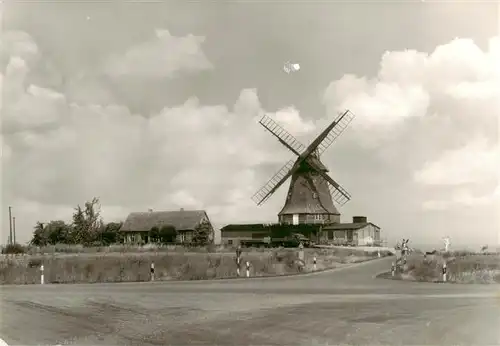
[346,306]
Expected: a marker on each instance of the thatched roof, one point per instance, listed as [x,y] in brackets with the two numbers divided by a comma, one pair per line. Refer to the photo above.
[182,220]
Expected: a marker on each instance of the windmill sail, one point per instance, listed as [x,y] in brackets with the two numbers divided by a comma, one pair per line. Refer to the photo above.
[339,194]
[283,136]
[341,123]
[274,183]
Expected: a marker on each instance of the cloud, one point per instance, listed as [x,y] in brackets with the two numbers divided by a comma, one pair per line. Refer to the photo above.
[472,174]
[18,44]
[60,153]
[160,57]
[457,79]
[475,162]
[462,198]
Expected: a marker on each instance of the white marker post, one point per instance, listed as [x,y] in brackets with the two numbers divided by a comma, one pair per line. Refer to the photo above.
[248,268]
[378,253]
[444,271]
[314,263]
[152,271]
[238,264]
[393,268]
[42,277]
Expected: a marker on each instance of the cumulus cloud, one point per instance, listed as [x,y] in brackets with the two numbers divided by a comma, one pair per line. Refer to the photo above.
[476,162]
[190,155]
[461,198]
[472,174]
[294,123]
[160,57]
[442,108]
[456,79]
[18,44]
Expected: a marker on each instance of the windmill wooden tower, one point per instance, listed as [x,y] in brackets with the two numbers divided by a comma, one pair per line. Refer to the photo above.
[312,191]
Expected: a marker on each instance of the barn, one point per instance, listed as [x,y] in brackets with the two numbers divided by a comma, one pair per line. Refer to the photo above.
[137,226]
[234,234]
[358,233]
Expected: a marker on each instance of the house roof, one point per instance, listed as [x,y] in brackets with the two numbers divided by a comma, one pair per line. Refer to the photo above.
[347,226]
[244,227]
[259,227]
[180,219]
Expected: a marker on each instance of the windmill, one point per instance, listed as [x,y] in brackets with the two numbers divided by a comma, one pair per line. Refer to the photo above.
[312,191]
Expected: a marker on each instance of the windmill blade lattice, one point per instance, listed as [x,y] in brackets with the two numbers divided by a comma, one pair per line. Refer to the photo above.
[339,194]
[341,123]
[283,136]
[276,181]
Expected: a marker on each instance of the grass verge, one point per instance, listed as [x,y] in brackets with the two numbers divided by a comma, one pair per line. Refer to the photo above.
[462,267]
[92,267]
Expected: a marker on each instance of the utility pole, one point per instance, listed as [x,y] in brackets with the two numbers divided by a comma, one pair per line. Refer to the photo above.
[14,228]
[10,224]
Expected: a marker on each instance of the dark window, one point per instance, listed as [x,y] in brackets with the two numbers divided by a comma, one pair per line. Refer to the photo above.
[230,242]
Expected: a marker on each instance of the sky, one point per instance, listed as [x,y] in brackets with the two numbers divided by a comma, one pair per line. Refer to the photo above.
[156,105]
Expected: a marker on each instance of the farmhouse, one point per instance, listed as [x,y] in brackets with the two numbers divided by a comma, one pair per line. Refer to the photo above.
[358,233]
[138,225]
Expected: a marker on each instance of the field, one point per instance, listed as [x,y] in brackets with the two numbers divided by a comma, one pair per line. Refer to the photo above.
[125,264]
[462,267]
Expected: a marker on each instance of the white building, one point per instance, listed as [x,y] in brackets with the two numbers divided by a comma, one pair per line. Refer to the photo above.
[358,233]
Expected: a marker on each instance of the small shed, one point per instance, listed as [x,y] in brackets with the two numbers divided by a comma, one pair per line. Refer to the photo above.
[360,232]
[138,225]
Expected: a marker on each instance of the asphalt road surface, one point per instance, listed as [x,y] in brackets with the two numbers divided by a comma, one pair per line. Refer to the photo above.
[341,307]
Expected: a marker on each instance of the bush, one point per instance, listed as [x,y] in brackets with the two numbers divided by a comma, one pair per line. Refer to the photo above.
[13,249]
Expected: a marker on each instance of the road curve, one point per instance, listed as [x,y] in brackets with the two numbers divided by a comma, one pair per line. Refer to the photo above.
[339,307]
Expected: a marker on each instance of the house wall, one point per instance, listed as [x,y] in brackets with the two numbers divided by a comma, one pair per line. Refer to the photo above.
[234,237]
[310,218]
[368,235]
[184,237]
[337,237]
[134,237]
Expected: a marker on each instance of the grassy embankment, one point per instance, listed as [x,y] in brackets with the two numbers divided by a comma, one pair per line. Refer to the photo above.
[462,267]
[64,264]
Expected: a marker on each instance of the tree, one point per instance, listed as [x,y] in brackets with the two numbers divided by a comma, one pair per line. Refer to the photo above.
[167,234]
[87,222]
[202,234]
[57,232]
[40,237]
[110,233]
[154,234]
